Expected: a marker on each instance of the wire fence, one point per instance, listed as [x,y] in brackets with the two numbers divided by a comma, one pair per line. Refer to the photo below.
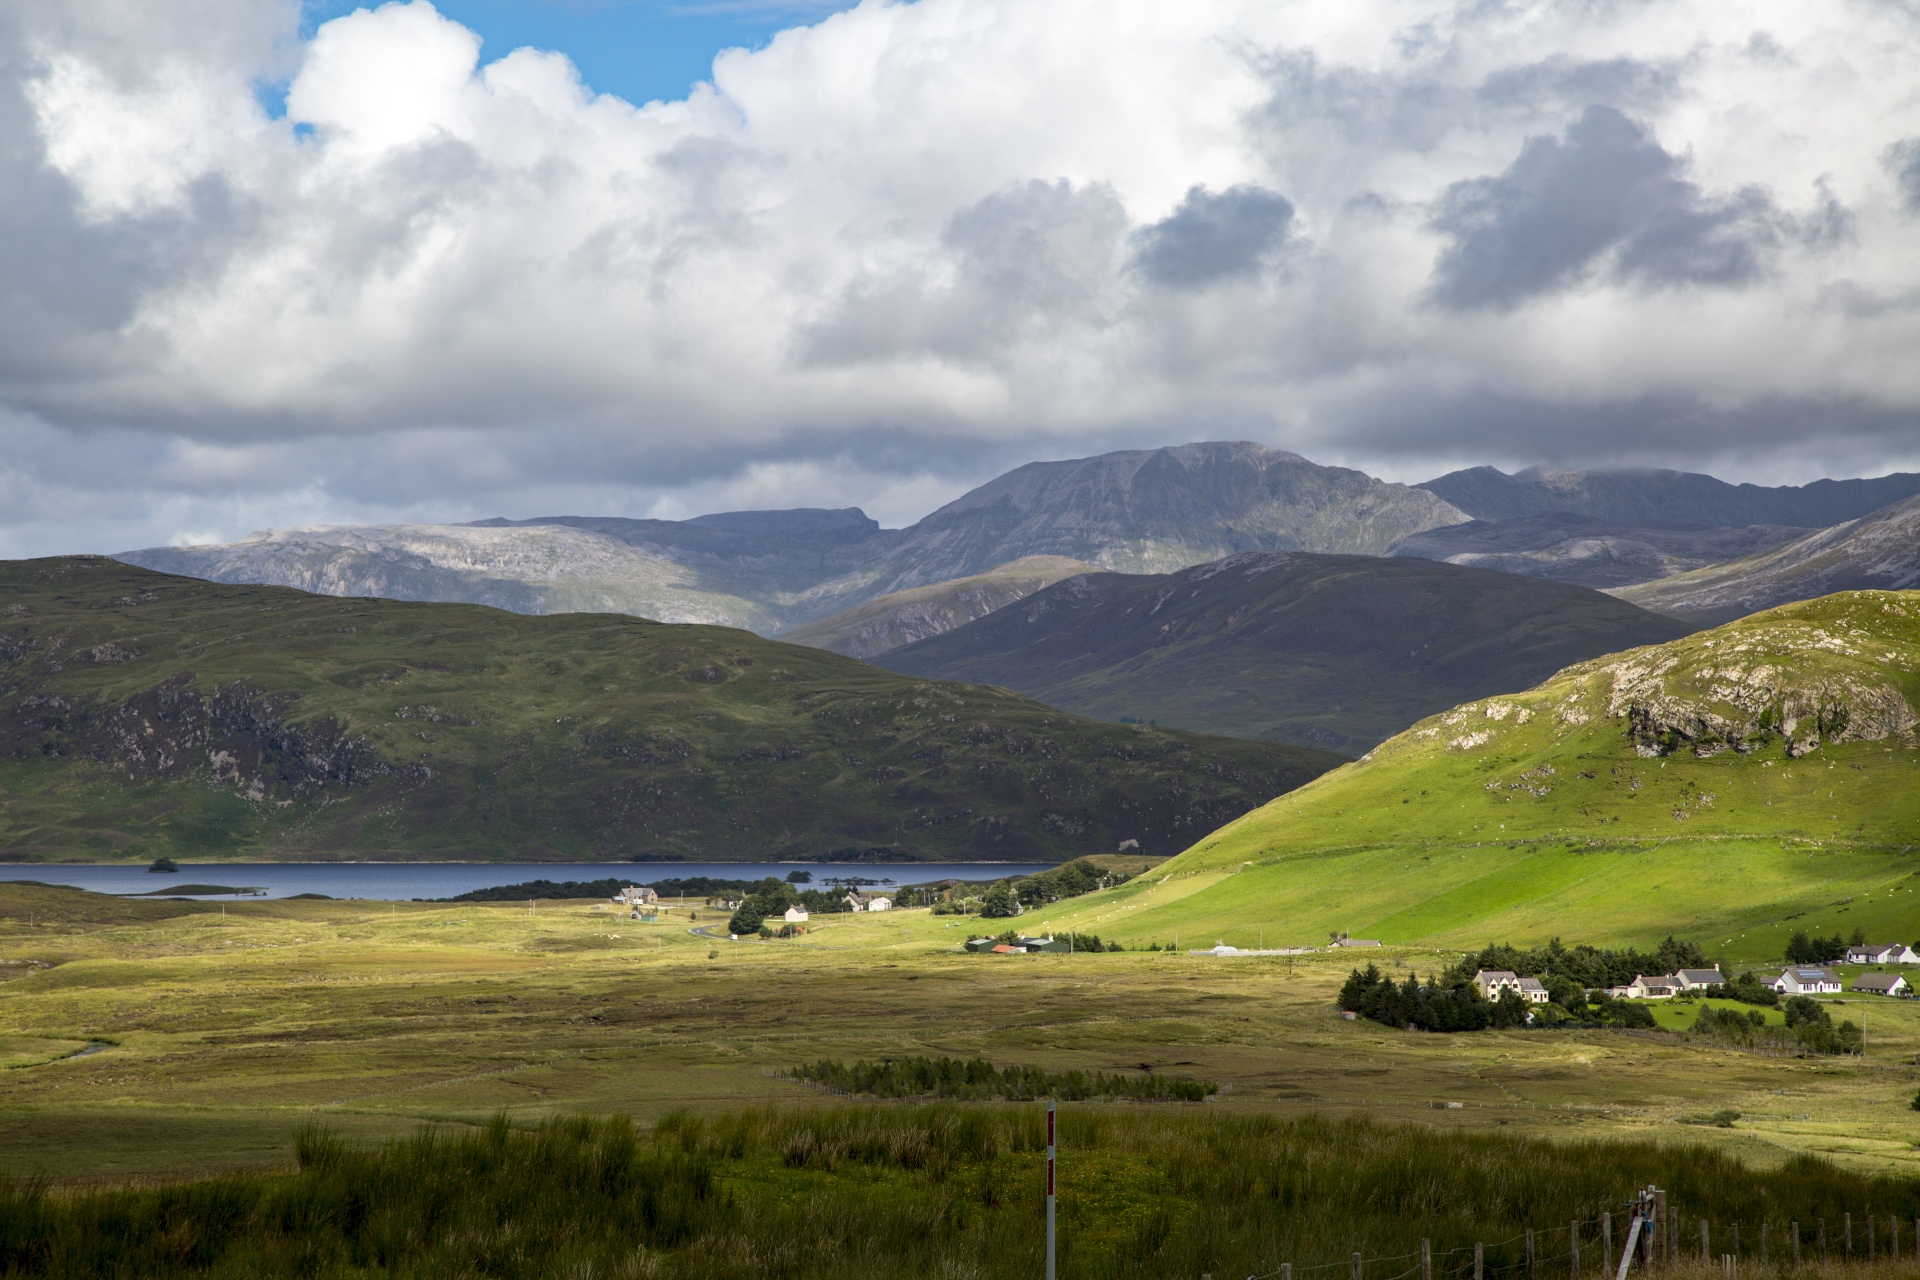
[1596,1244]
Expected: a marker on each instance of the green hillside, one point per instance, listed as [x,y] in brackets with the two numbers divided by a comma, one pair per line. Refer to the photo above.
[143,714]
[1731,787]
[1330,651]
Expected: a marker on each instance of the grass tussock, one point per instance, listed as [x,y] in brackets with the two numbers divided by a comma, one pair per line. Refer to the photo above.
[941,1190]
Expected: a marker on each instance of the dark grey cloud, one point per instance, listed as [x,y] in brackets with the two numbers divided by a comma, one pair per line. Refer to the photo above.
[1903,162]
[1628,84]
[1213,237]
[1605,196]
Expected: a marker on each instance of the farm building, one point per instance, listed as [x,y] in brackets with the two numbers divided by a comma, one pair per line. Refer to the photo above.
[1661,986]
[1881,984]
[1886,953]
[1695,979]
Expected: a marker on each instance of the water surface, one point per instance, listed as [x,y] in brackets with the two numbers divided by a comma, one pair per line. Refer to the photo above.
[405,880]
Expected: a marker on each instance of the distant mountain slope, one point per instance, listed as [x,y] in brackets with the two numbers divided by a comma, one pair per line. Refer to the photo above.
[1159,510]
[1587,550]
[1730,787]
[1335,651]
[1146,510]
[143,714]
[537,569]
[1652,497]
[890,621]
[1880,551]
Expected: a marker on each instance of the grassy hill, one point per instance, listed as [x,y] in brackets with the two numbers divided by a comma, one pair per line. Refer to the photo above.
[142,714]
[1332,651]
[1731,787]
[902,617]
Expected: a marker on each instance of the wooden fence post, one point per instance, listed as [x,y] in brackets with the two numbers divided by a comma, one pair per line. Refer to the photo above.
[1286,1271]
[1426,1259]
[1573,1236]
[1529,1253]
[1736,1240]
[1871,1233]
[1821,1223]
[1893,1236]
[1763,1244]
[1356,1267]
[1846,1235]
[1606,1244]
[1479,1261]
[1796,1244]
[1659,1224]
[1706,1255]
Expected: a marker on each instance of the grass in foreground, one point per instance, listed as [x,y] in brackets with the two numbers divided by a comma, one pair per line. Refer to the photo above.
[940,1191]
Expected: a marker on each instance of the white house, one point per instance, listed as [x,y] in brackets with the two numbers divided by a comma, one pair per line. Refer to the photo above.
[1657,987]
[1532,992]
[1695,979]
[1890,953]
[1491,982]
[795,915]
[1881,984]
[880,904]
[1807,980]
[637,895]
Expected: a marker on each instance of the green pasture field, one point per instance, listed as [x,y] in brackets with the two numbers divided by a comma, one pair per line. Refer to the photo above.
[217,1036]
[1538,814]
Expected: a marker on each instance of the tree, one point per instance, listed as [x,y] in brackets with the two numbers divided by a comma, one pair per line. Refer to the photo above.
[746,920]
[998,903]
[163,864]
[1859,938]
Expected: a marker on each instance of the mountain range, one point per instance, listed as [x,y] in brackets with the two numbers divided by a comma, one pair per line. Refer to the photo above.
[143,714]
[811,573]
[1140,511]
[1876,552]
[1648,496]
[1331,651]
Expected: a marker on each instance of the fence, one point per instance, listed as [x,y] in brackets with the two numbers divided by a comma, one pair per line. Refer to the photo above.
[1590,1247]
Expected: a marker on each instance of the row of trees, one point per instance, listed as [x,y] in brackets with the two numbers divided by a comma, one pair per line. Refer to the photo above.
[1005,899]
[1582,966]
[977,1080]
[1809,1029]
[1450,1002]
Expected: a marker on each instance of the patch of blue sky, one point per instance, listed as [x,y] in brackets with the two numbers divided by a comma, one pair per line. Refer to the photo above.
[640,50]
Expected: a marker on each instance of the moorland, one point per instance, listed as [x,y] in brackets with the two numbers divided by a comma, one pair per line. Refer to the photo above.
[150,715]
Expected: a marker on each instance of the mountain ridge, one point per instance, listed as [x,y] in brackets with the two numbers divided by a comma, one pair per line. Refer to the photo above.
[1880,551]
[773,571]
[1331,651]
[1654,496]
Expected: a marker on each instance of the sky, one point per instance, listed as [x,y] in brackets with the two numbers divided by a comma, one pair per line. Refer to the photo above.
[263,266]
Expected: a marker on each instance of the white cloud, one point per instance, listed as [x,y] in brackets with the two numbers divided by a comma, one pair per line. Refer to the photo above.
[913,235]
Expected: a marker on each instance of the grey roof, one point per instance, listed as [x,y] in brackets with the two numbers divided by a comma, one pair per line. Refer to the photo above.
[1877,981]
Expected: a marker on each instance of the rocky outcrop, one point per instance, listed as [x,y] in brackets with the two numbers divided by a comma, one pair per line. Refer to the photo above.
[1590,551]
[236,735]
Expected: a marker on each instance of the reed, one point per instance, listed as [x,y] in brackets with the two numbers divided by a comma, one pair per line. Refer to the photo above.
[950,1190]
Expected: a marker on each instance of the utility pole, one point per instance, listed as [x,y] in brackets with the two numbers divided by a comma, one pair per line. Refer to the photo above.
[1050,1154]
